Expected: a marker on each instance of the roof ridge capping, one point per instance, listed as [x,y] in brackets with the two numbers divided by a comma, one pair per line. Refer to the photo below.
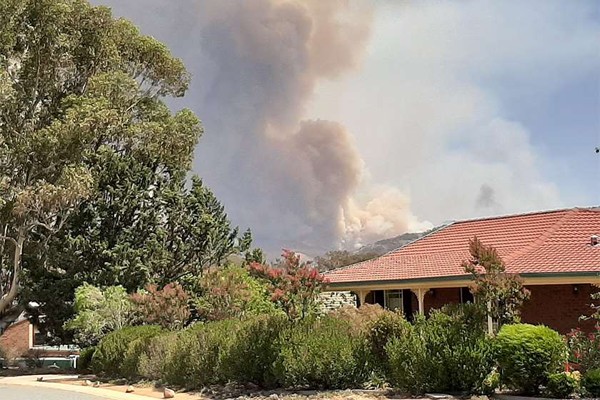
[528,213]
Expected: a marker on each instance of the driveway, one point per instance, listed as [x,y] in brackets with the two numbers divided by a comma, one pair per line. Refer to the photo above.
[34,393]
[29,388]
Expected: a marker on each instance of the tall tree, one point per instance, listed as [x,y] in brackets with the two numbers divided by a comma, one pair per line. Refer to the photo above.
[503,293]
[76,85]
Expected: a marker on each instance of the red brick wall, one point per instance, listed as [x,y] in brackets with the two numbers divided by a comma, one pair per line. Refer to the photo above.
[437,298]
[15,340]
[559,306]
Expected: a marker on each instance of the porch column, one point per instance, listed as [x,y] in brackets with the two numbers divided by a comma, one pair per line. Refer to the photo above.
[362,296]
[420,292]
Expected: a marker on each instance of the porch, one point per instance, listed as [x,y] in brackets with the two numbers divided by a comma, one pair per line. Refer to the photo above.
[412,301]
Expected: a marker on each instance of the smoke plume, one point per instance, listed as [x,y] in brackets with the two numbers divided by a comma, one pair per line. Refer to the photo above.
[298,178]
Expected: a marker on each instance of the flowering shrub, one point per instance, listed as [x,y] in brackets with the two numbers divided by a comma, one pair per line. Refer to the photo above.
[584,349]
[167,307]
[231,292]
[294,287]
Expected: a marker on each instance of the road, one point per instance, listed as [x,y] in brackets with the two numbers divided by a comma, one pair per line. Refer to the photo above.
[33,393]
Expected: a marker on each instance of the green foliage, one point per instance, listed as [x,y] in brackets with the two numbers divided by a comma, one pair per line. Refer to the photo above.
[527,354]
[504,292]
[361,318]
[294,286]
[380,331]
[167,307]
[584,349]
[449,352]
[118,353]
[197,359]
[99,312]
[231,292]
[85,358]
[562,385]
[321,354]
[74,82]
[252,354]
[591,382]
[93,163]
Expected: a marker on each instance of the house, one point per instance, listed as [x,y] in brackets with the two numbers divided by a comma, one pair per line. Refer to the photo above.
[22,342]
[555,252]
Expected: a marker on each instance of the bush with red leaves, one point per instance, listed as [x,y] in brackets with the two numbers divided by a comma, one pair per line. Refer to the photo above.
[294,286]
[167,307]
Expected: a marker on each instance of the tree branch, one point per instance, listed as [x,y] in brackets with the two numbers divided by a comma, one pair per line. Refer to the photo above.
[10,239]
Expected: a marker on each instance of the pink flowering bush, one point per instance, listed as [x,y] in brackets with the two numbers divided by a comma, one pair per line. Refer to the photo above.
[584,349]
[294,286]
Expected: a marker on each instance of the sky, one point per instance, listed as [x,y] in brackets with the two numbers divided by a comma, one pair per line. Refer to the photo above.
[334,124]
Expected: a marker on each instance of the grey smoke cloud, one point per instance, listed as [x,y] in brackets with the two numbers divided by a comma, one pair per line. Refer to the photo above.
[486,197]
[298,178]
[424,113]
[255,67]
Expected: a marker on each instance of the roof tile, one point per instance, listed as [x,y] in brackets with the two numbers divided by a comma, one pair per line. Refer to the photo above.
[543,242]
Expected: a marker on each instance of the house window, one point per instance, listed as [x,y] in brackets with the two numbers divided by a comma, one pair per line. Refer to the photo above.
[39,339]
[393,300]
[466,296]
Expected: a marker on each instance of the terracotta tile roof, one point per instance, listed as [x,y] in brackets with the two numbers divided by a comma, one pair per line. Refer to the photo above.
[543,242]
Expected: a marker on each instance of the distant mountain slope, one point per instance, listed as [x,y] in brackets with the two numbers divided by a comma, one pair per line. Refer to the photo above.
[385,245]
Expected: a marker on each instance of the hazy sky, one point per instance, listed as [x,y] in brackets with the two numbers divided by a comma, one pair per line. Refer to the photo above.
[337,123]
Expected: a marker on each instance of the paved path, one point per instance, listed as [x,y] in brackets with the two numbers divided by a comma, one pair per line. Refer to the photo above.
[10,392]
[28,388]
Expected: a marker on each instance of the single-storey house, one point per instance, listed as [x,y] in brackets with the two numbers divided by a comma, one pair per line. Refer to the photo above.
[556,253]
[22,341]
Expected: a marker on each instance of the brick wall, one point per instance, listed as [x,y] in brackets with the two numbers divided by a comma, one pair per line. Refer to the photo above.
[559,306]
[437,298]
[15,340]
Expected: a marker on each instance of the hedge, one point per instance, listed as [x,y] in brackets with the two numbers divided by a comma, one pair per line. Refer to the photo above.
[447,352]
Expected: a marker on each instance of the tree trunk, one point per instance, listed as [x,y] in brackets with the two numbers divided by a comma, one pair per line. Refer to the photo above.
[7,300]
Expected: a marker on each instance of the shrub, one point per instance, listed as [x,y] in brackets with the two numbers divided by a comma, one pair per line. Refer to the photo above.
[562,385]
[360,319]
[167,307]
[154,359]
[447,352]
[118,353]
[380,331]
[196,359]
[294,286]
[527,354]
[98,312]
[591,382]
[231,292]
[251,356]
[321,354]
[584,349]
[85,358]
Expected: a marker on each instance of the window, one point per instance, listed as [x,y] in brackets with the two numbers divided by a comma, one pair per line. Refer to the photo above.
[466,296]
[393,300]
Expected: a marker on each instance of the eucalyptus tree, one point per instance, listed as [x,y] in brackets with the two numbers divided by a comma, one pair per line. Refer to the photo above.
[77,89]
